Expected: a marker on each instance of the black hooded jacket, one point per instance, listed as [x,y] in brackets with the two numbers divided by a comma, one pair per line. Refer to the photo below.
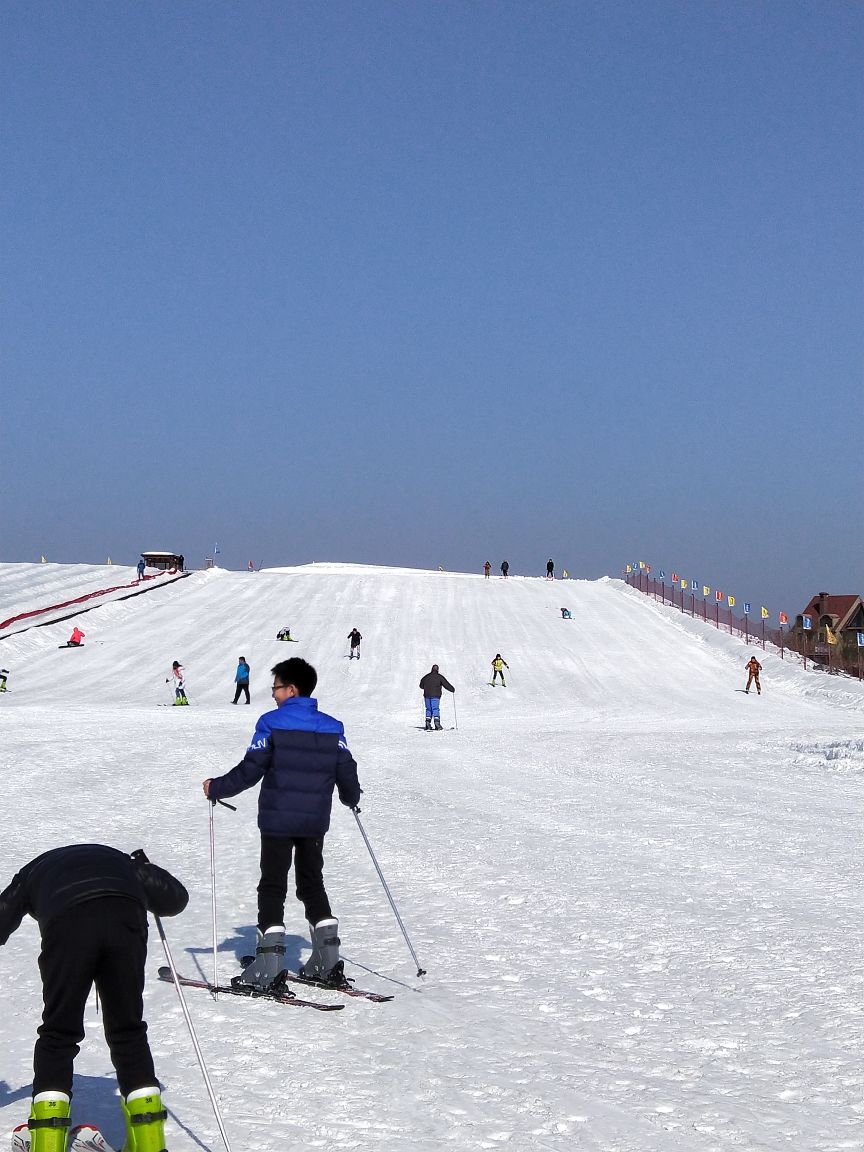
[433,682]
[64,877]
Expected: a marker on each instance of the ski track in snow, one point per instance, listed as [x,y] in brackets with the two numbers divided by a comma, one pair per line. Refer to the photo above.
[634,888]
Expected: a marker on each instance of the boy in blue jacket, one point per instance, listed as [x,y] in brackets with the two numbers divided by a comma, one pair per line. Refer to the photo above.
[300,756]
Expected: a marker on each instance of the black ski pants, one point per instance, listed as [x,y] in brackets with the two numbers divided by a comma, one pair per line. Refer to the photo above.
[276,854]
[242,686]
[103,942]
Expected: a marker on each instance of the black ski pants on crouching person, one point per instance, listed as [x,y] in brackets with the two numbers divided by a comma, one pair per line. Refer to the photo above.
[103,942]
[276,854]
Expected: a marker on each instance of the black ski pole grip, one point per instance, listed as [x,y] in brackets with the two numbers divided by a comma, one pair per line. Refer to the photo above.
[224,804]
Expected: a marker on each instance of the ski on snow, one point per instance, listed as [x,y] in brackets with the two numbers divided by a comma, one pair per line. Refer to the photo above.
[286,997]
[347,989]
[82,1138]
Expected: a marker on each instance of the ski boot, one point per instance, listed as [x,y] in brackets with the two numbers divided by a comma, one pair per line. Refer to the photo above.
[145,1121]
[437,724]
[428,723]
[49,1122]
[324,964]
[268,961]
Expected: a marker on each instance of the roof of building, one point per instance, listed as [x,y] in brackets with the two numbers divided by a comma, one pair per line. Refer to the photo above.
[840,607]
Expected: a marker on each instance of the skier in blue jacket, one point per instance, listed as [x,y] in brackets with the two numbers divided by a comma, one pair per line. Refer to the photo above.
[300,756]
[241,679]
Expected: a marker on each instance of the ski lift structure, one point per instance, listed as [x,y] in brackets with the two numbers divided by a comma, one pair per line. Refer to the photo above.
[164,561]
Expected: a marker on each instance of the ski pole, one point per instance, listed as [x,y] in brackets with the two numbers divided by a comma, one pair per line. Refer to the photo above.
[455,721]
[139,855]
[213,804]
[420,971]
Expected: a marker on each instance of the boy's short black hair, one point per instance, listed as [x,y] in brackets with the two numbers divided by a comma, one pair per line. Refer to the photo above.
[298,672]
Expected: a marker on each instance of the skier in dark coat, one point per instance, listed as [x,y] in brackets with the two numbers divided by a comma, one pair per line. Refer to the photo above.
[550,569]
[91,903]
[432,683]
[300,756]
[355,638]
[505,568]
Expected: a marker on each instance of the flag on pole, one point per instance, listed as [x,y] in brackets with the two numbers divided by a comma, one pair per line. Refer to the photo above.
[831,636]
[730,600]
[216,549]
[661,574]
[706,591]
[674,577]
[42,560]
[683,583]
[641,563]
[765,613]
[109,560]
[718,595]
[746,608]
[807,622]
[629,569]
[783,618]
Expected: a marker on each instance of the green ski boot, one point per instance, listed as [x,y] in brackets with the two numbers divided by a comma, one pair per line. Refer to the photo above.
[49,1122]
[145,1121]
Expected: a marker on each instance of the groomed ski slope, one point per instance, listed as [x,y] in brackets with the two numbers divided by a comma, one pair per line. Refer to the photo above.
[635,889]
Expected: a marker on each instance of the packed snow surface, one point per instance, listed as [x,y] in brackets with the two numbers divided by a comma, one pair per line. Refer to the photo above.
[635,888]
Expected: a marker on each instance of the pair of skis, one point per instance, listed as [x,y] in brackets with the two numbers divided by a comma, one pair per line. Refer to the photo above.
[281,994]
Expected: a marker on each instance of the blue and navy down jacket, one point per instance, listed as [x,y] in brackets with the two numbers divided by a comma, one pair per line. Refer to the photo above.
[299,754]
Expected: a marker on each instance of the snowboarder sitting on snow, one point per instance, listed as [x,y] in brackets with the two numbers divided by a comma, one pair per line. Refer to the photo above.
[76,639]
[432,683]
[91,903]
[498,666]
[4,672]
[355,638]
[565,614]
[179,683]
[753,669]
[299,754]
[284,634]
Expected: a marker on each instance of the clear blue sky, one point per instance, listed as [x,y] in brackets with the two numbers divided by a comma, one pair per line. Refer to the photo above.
[430,283]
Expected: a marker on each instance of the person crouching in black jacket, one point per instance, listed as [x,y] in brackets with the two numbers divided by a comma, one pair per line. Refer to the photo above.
[91,904]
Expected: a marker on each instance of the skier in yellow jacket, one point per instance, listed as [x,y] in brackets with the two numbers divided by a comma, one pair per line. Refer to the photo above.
[498,666]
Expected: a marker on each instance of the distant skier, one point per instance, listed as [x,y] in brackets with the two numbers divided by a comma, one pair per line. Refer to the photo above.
[4,673]
[285,634]
[432,683]
[487,568]
[355,638]
[91,904]
[301,756]
[565,614]
[505,568]
[241,679]
[75,640]
[498,666]
[550,569]
[753,669]
[141,567]
[179,683]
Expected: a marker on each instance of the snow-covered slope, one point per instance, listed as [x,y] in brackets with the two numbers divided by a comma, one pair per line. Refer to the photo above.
[629,882]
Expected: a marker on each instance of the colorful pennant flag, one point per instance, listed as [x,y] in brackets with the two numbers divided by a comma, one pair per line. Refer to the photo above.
[765,613]
[683,583]
[831,636]
[730,600]
[661,574]
[718,595]
[674,577]
[706,591]
[783,618]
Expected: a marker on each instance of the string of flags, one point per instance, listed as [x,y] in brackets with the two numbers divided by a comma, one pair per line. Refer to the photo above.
[685,583]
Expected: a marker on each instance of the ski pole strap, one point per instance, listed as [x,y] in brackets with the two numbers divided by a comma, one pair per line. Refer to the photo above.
[148,1117]
[225,804]
[49,1122]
